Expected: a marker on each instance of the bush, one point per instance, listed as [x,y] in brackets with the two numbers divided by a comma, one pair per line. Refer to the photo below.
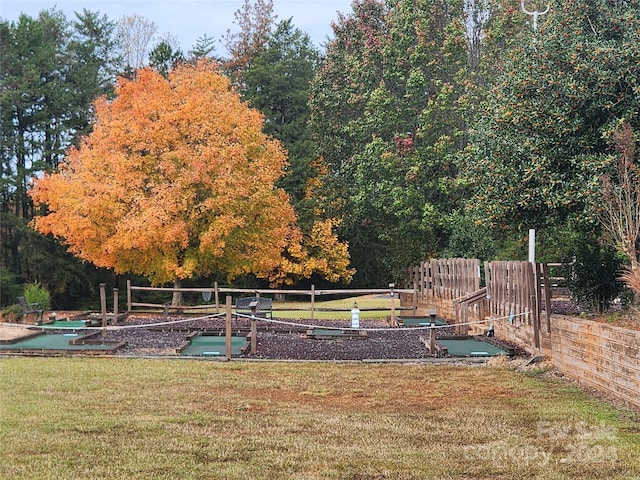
[12,314]
[36,293]
[592,277]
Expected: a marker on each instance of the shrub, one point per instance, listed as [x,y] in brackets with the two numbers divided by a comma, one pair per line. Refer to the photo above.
[12,314]
[592,277]
[36,293]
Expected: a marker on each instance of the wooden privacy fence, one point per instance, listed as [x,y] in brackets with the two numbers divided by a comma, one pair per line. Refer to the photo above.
[514,289]
[446,278]
[519,291]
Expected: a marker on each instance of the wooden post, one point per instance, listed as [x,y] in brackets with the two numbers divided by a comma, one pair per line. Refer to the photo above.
[115,307]
[313,300]
[254,330]
[216,296]
[547,295]
[103,307]
[432,341]
[394,322]
[533,279]
[432,332]
[227,325]
[415,299]
[128,296]
[538,285]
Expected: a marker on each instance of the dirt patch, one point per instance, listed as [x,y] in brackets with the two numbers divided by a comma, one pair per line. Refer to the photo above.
[10,333]
[623,320]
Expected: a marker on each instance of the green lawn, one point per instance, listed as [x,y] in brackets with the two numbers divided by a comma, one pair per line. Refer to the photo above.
[381,304]
[115,418]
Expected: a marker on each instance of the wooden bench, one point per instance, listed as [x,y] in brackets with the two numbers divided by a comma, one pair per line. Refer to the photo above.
[263,306]
[28,308]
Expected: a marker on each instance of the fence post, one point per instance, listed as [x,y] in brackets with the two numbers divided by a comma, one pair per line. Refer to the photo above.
[115,307]
[313,301]
[547,295]
[227,331]
[128,296]
[254,328]
[538,292]
[216,296]
[393,305]
[533,281]
[103,308]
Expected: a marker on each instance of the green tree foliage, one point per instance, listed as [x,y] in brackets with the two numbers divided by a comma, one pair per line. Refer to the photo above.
[51,70]
[388,110]
[277,84]
[93,66]
[543,140]
[33,62]
[203,48]
[163,57]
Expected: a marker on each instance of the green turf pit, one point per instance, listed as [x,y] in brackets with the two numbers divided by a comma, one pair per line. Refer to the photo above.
[212,346]
[471,347]
[67,324]
[419,321]
[57,343]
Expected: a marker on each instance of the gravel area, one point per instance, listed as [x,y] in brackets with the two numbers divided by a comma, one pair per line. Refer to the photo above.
[149,335]
[277,341]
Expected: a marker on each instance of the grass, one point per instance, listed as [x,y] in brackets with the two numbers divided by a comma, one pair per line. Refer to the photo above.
[371,307]
[115,418]
[381,303]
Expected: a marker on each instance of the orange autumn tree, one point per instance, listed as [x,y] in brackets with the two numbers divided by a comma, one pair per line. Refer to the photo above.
[177,180]
[323,252]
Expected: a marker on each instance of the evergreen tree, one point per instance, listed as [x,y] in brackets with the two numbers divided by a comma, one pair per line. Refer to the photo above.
[277,84]
[50,72]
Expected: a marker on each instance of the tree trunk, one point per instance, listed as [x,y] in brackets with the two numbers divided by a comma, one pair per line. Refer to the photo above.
[177,296]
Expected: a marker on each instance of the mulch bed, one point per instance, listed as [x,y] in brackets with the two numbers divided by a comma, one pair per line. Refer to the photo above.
[149,335]
[280,341]
[276,341]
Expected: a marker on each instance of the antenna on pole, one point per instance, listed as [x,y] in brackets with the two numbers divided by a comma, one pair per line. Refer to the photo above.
[534,14]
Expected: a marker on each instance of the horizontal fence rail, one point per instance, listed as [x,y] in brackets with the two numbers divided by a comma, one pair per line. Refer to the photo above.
[215,292]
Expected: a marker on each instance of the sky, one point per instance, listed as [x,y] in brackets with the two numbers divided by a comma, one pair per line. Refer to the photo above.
[189,19]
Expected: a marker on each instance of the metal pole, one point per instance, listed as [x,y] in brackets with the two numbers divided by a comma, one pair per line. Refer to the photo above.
[532,245]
